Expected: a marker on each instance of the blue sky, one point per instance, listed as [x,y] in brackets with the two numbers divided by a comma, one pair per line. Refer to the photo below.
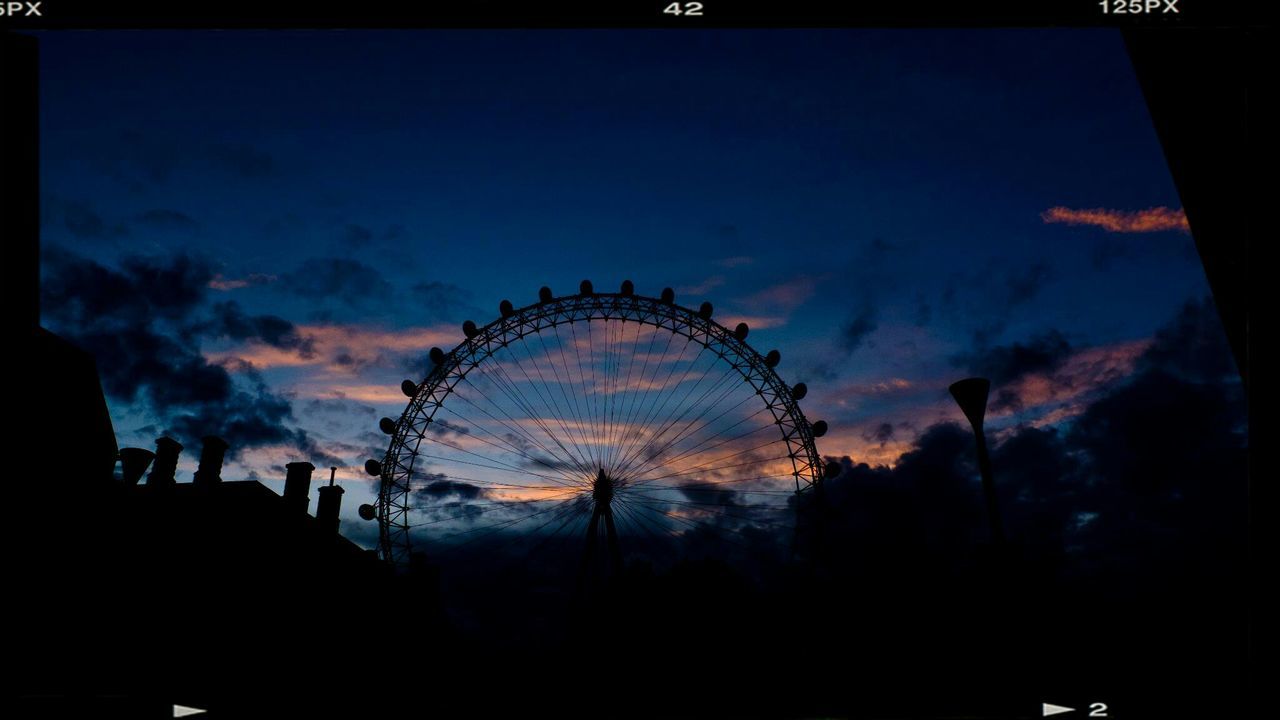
[877,204]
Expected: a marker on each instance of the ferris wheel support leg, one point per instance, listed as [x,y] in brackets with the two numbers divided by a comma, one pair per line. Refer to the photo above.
[589,552]
[615,553]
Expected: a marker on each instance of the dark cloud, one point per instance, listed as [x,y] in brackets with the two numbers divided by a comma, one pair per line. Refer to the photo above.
[1025,284]
[142,322]
[167,221]
[229,321]
[440,300]
[345,280]
[135,160]
[923,311]
[1157,461]
[1006,363]
[881,434]
[437,489]
[860,324]
[1193,345]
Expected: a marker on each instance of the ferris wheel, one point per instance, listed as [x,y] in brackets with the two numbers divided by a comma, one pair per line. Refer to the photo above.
[626,422]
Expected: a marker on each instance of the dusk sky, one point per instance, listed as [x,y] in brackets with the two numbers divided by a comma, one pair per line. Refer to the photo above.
[307,213]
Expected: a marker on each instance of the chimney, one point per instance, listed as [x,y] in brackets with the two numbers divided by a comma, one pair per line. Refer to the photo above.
[213,449]
[134,462]
[166,464]
[297,483]
[329,504]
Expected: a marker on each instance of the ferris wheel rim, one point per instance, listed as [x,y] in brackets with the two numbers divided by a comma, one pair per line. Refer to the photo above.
[480,343]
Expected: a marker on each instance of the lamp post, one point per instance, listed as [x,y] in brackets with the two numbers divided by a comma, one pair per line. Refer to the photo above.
[971,395]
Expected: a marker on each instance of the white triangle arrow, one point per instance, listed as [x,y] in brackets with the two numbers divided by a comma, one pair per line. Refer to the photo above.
[183,711]
[1055,709]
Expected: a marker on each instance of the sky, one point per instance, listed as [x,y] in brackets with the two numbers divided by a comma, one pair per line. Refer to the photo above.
[259,235]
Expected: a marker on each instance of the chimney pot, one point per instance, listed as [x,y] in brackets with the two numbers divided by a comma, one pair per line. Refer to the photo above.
[165,466]
[212,451]
[327,507]
[133,463]
[297,483]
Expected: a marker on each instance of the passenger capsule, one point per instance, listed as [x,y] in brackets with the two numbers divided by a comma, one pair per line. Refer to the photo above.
[741,331]
[585,288]
[436,355]
[367,512]
[628,288]
[373,467]
[833,469]
[668,295]
[819,428]
[506,308]
[704,311]
[409,388]
[773,358]
[387,425]
[469,329]
[798,391]
[544,294]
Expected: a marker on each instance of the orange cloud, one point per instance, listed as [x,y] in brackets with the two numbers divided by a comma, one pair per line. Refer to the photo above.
[340,349]
[1122,221]
[755,322]
[783,297]
[224,284]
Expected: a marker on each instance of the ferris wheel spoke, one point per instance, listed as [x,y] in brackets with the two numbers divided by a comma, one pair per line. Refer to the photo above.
[685,458]
[633,490]
[512,448]
[646,415]
[502,525]
[534,417]
[507,389]
[485,506]
[550,403]
[719,508]
[667,422]
[630,467]
[695,525]
[690,451]
[564,480]
[629,410]
[713,465]
[570,403]
[500,468]
[655,540]
[588,395]
[638,406]
[569,457]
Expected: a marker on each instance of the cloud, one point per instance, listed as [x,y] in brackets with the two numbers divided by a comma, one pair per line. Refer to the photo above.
[345,280]
[167,221]
[703,287]
[230,321]
[855,330]
[440,300]
[781,298]
[339,349]
[1008,363]
[1023,286]
[143,325]
[1193,345]
[223,284]
[1154,219]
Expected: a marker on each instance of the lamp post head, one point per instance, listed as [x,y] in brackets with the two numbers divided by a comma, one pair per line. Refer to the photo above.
[971,396]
